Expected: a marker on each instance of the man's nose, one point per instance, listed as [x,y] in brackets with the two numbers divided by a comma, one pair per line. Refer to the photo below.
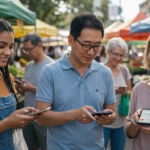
[91,51]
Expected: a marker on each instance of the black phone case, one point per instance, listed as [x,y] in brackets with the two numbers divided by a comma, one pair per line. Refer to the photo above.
[143,123]
[18,81]
[101,113]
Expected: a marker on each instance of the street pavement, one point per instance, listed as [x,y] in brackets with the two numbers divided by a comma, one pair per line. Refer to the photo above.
[128,143]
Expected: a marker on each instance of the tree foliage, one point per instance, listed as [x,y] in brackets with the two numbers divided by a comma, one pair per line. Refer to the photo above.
[104,10]
[50,10]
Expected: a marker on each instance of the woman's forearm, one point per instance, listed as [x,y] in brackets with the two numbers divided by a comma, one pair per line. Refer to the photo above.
[132,131]
[129,93]
[3,125]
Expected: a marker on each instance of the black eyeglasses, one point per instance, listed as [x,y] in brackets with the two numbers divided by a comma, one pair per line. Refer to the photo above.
[28,50]
[86,47]
[117,55]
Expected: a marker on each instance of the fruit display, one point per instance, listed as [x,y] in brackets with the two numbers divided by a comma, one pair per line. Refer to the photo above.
[16,72]
[137,70]
[138,78]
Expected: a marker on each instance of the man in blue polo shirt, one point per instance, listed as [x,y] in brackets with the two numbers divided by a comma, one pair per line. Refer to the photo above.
[76,86]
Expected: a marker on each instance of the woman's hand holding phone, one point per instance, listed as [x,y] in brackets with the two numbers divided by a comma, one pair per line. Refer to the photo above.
[37,112]
[143,120]
[145,129]
[16,120]
[120,90]
[135,117]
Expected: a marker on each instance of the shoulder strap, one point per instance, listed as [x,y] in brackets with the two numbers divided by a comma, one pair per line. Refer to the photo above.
[124,72]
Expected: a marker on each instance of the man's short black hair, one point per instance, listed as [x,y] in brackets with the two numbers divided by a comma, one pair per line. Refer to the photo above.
[33,37]
[89,21]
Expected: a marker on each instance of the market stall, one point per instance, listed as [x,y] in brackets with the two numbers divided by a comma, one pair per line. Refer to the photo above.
[123,30]
[108,29]
[42,28]
[56,43]
[141,29]
[12,10]
[60,40]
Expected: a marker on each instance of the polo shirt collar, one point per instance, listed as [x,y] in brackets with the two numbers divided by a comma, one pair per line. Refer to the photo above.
[93,66]
[67,65]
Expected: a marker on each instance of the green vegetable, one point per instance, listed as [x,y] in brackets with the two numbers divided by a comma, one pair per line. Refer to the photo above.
[17,72]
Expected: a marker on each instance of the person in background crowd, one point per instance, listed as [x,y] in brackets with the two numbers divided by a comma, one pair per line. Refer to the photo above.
[35,135]
[101,57]
[75,85]
[61,52]
[97,58]
[116,50]
[10,118]
[51,52]
[139,100]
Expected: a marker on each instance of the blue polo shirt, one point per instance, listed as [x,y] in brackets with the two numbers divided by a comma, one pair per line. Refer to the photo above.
[61,85]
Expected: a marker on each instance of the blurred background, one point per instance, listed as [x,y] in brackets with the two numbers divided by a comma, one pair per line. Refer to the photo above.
[51,19]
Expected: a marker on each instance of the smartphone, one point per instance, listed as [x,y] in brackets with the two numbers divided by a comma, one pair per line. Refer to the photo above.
[18,81]
[123,86]
[101,113]
[37,112]
[144,118]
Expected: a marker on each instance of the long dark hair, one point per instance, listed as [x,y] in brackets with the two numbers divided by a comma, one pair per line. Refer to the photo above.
[6,27]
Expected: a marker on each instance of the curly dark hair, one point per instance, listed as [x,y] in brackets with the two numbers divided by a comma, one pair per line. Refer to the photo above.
[6,27]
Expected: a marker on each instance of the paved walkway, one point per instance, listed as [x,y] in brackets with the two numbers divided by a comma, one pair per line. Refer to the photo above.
[128,143]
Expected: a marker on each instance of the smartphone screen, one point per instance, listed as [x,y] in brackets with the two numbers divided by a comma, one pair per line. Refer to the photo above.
[145,116]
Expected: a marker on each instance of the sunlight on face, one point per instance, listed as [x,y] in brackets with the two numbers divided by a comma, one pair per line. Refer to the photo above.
[116,55]
[6,47]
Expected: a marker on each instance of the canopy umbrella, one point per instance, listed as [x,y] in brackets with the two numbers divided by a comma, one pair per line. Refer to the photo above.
[11,10]
[56,43]
[123,30]
[141,29]
[42,28]
[109,28]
